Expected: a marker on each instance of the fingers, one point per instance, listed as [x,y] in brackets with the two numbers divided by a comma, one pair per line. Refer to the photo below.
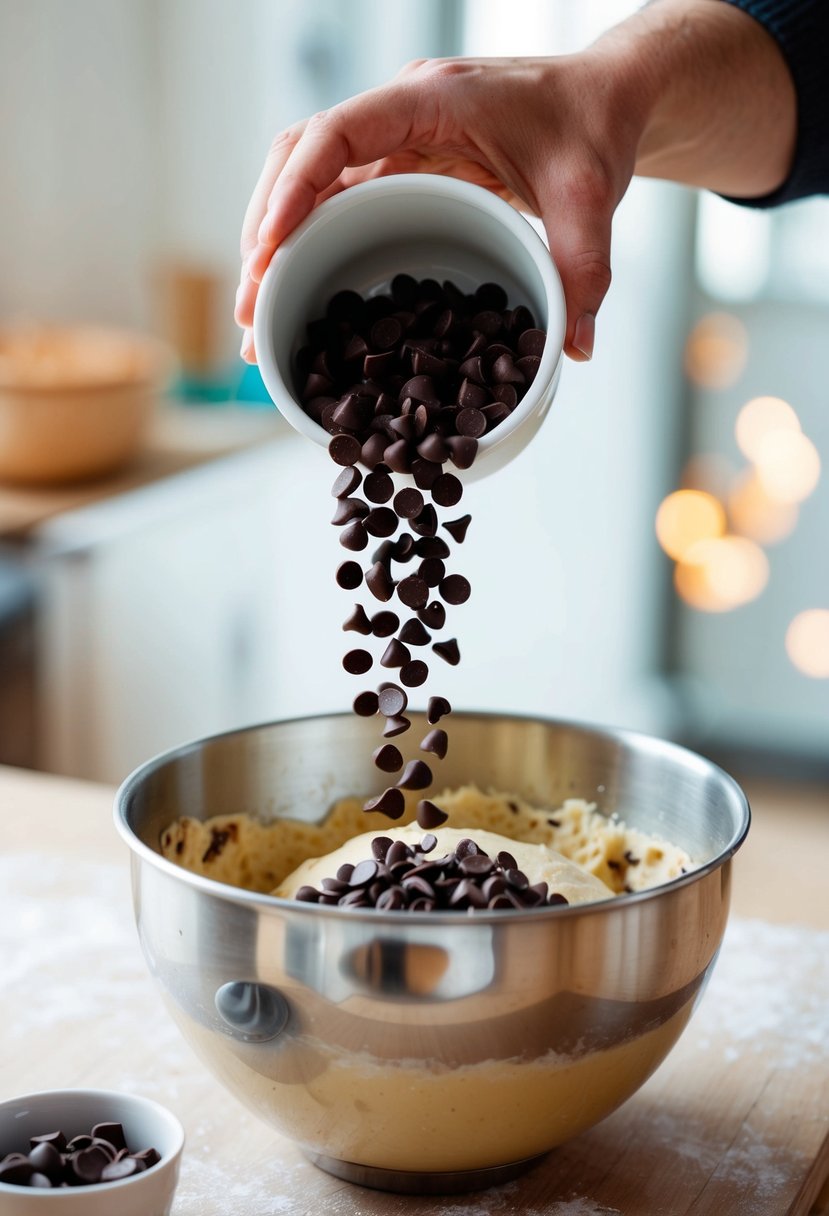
[580,244]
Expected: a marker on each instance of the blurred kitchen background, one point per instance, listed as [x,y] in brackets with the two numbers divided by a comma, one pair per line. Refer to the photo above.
[657,559]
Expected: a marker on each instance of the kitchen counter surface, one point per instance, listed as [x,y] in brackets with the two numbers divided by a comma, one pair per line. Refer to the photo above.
[181,438]
[65,925]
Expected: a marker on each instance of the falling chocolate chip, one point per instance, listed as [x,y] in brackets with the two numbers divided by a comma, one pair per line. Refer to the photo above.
[392,700]
[429,815]
[395,654]
[396,725]
[455,589]
[433,615]
[447,490]
[388,758]
[414,673]
[344,449]
[432,571]
[358,622]
[354,536]
[408,503]
[349,575]
[437,708]
[379,582]
[436,742]
[413,592]
[415,776]
[413,633]
[366,704]
[378,487]
[457,528]
[347,482]
[384,624]
[357,662]
[348,509]
[462,450]
[448,650]
[391,803]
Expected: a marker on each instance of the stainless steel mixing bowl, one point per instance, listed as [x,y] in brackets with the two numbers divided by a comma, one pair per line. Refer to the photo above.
[431,1052]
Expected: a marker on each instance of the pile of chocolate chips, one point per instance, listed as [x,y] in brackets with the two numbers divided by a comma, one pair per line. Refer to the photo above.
[403,878]
[85,1160]
[406,383]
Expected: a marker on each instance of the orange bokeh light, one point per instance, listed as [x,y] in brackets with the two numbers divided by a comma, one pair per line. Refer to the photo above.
[788,465]
[807,643]
[716,350]
[720,574]
[754,514]
[687,517]
[760,418]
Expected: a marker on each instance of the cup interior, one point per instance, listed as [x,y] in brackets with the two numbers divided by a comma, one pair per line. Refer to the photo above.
[417,224]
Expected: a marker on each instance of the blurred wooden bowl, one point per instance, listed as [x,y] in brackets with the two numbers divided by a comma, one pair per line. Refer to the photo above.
[75,402]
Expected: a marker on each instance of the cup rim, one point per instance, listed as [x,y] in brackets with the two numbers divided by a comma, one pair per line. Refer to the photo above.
[433,184]
[155,1109]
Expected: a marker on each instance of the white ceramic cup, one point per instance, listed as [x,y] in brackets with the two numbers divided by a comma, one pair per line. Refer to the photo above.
[429,227]
[73,1111]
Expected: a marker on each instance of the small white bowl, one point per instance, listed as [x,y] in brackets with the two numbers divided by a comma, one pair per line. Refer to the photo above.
[73,1111]
[427,226]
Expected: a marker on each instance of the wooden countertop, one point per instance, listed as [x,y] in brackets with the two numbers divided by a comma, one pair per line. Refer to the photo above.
[66,925]
[181,438]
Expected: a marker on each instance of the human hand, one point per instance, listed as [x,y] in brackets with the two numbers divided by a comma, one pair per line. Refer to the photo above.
[540,133]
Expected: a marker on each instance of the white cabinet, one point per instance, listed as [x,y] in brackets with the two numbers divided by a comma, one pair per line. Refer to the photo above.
[171,612]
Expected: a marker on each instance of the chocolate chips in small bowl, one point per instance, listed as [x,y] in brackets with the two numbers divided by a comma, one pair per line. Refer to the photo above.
[87,1143]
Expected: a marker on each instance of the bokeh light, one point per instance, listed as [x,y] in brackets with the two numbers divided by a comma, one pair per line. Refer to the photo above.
[788,466]
[716,350]
[752,513]
[807,643]
[721,574]
[760,418]
[687,517]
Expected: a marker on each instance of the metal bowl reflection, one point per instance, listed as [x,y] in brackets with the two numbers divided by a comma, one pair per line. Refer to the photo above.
[432,1052]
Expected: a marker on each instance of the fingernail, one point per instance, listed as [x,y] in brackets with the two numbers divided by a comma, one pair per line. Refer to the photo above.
[584,334]
[247,346]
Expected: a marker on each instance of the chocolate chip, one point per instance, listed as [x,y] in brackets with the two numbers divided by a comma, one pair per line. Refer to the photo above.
[433,448]
[349,576]
[404,548]
[384,624]
[462,450]
[344,449]
[414,674]
[455,589]
[433,615]
[347,482]
[382,521]
[506,394]
[396,456]
[414,634]
[448,650]
[416,776]
[447,490]
[357,662]
[408,503]
[395,726]
[470,422]
[437,708]
[429,815]
[379,582]
[457,528]
[436,741]
[354,536]
[431,546]
[413,591]
[378,487]
[425,473]
[392,700]
[506,861]
[365,704]
[395,654]
[532,342]
[476,863]
[387,758]
[432,571]
[374,449]
[363,873]
[391,803]
[426,523]
[88,1164]
[386,333]
[348,509]
[124,1168]
[528,366]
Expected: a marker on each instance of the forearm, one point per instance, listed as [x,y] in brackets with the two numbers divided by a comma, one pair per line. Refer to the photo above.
[717,102]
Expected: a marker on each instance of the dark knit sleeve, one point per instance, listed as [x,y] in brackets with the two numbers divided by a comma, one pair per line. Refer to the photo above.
[801,30]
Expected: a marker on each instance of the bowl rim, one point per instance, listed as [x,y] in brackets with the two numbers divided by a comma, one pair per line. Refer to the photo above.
[240,896]
[158,357]
[156,1109]
[514,222]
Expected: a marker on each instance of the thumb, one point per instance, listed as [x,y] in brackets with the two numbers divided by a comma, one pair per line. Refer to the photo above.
[580,245]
